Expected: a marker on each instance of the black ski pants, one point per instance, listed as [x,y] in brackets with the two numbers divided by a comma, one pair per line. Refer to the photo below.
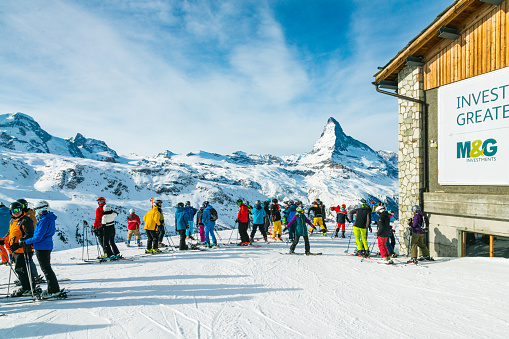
[182,243]
[244,237]
[44,258]
[100,235]
[20,267]
[152,238]
[296,241]
[160,233]
[262,230]
[109,246]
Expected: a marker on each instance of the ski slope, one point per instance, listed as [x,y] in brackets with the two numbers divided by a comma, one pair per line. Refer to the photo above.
[255,292]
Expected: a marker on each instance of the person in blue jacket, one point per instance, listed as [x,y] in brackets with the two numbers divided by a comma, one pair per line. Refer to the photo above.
[42,241]
[290,213]
[190,212]
[5,219]
[259,214]
[209,224]
[181,225]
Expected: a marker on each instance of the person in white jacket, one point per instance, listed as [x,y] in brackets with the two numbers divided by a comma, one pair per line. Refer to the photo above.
[108,225]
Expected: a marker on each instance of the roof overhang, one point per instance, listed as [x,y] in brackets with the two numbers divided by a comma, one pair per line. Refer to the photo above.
[453,17]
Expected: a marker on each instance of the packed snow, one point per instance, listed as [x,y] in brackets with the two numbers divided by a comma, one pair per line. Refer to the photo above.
[255,292]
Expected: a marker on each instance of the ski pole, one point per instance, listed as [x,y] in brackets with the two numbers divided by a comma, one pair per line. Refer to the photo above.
[10,272]
[217,233]
[373,244]
[233,229]
[27,264]
[349,240]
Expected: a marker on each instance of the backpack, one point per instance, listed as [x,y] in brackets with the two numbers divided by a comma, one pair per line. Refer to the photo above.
[213,214]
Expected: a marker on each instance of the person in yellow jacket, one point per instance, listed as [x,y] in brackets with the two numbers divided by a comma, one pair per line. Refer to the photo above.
[152,221]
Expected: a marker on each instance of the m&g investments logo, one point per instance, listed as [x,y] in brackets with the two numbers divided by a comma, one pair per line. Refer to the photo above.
[477,150]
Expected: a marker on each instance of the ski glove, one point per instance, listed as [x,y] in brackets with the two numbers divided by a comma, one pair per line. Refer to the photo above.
[2,242]
[370,230]
[14,247]
[21,242]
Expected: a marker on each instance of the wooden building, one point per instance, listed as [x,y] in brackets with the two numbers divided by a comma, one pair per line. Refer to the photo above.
[452,84]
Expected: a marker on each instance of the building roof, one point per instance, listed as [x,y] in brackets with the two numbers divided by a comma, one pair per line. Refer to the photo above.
[453,17]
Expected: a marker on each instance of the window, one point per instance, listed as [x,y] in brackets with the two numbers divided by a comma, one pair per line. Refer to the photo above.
[484,245]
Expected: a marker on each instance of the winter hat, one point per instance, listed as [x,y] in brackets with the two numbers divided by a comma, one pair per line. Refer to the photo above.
[380,209]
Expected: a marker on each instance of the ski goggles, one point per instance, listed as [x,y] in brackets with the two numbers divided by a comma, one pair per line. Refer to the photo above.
[16,210]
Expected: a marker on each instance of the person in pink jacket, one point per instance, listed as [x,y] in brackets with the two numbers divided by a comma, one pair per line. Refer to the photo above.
[133,226]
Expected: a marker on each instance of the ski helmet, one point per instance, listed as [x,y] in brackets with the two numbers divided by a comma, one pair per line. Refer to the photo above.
[41,206]
[239,202]
[2,204]
[290,202]
[416,208]
[131,211]
[299,209]
[274,201]
[158,202]
[343,206]
[16,207]
[268,200]
[380,209]
[205,204]
[188,203]
[24,203]
[180,204]
[107,208]
[258,202]
[363,201]
[100,199]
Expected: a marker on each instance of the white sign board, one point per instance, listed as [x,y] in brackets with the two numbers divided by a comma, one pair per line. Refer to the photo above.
[473,130]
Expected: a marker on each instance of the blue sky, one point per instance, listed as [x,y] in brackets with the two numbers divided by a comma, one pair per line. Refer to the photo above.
[220,76]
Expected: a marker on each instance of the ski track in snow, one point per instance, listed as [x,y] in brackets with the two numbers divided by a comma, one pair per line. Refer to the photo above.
[254,292]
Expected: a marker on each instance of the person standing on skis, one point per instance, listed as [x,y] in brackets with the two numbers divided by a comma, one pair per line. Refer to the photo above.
[243,220]
[98,230]
[419,227]
[383,232]
[298,223]
[161,231]
[291,210]
[318,217]
[42,241]
[341,219]
[181,225]
[209,223]
[266,207]
[21,228]
[4,229]
[152,220]
[133,226]
[190,212]
[258,220]
[108,225]
[199,222]
[361,225]
[275,215]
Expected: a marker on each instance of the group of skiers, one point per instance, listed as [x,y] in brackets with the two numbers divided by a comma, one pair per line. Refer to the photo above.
[28,230]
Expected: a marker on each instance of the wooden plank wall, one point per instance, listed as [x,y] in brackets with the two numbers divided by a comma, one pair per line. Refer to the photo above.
[481,48]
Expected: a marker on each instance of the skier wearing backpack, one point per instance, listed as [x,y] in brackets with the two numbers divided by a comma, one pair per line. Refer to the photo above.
[161,230]
[384,229]
[298,223]
[341,219]
[181,225]
[266,207]
[361,225]
[290,213]
[209,220]
[259,214]
[190,212]
[419,227]
[133,226]
[108,225]
[4,229]
[318,217]
[152,219]
[275,215]
[243,220]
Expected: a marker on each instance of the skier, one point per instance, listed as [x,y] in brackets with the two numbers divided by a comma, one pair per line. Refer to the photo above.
[161,231]
[317,219]
[152,220]
[298,223]
[374,216]
[324,213]
[199,222]
[419,227]
[4,229]
[42,241]
[259,214]
[133,226]
[266,207]
[210,223]
[341,218]
[181,225]
[291,210]
[384,229]
[190,212]
[243,220]
[108,225]
[31,214]
[21,227]
[97,230]
[361,225]
[275,215]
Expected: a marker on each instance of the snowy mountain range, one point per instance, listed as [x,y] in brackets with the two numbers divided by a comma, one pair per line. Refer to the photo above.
[71,173]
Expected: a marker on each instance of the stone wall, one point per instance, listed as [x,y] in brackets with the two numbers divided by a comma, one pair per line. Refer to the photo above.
[410,156]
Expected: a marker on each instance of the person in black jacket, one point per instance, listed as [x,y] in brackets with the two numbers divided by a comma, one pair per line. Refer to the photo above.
[266,221]
[275,216]
[361,226]
[384,230]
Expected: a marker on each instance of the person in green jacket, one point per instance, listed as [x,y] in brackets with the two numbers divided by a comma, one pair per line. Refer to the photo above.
[301,230]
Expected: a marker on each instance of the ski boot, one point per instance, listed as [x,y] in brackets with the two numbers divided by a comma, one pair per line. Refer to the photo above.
[62,294]
[251,240]
[343,234]
[336,234]
[214,244]
[138,242]
[413,261]
[265,239]
[156,251]
[128,243]
[428,258]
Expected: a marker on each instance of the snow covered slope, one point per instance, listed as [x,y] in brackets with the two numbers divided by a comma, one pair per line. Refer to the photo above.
[247,292]
[67,173]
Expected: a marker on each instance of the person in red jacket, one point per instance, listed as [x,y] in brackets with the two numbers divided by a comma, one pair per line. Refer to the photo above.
[133,226]
[99,212]
[243,220]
